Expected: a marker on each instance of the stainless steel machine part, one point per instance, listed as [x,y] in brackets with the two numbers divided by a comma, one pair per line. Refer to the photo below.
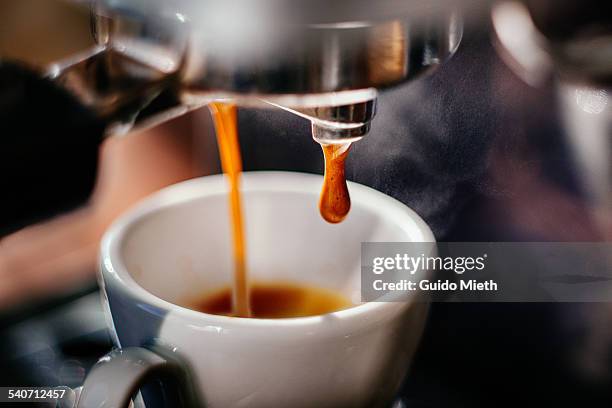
[157,59]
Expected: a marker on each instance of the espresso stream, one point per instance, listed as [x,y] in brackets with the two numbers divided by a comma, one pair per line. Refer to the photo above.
[290,300]
[224,117]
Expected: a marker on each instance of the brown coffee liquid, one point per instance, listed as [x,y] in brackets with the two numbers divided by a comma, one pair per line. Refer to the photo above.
[276,300]
[334,205]
[334,201]
[225,119]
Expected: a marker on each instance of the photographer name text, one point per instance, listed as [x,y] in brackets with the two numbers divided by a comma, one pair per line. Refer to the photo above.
[438,285]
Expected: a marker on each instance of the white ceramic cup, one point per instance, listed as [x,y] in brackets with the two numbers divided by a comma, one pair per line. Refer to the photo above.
[176,245]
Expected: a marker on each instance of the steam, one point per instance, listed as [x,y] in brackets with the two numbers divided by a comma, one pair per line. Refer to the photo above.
[429,140]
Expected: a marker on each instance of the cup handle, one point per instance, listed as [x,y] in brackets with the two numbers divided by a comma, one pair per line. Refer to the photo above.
[117,376]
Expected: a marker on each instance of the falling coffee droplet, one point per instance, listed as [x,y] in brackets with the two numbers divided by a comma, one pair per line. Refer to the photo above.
[334,202]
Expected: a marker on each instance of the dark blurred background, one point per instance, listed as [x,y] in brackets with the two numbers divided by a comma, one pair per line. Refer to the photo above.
[480,155]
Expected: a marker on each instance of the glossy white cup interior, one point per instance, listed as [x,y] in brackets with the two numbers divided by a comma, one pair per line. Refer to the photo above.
[178,244]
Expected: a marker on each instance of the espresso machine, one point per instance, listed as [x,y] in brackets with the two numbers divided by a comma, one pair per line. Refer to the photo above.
[153,61]
[324,61]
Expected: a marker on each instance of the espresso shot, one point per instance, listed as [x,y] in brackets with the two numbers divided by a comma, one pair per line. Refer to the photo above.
[305,203]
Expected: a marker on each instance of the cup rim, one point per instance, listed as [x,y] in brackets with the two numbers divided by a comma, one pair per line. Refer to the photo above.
[111,265]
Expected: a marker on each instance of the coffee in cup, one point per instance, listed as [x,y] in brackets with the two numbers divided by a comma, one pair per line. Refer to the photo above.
[274,300]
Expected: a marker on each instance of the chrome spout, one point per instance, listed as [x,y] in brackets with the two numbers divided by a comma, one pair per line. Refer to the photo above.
[347,122]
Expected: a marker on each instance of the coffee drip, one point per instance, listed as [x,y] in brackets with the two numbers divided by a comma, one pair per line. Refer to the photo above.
[335,201]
